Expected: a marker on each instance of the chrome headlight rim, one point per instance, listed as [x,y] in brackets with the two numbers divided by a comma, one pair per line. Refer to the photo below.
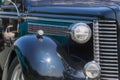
[80,24]
[98,69]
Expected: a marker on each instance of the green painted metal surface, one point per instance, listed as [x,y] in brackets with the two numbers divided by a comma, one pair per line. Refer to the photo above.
[23,29]
[24,65]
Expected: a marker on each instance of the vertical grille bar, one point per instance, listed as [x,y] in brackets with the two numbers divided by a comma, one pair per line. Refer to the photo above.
[96,42]
[105,48]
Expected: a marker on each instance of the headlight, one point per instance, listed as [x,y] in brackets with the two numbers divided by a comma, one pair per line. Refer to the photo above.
[92,70]
[80,32]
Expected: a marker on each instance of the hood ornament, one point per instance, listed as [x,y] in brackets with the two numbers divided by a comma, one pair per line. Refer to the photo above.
[40,34]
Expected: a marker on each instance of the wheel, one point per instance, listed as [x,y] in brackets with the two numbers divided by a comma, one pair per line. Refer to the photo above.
[15,71]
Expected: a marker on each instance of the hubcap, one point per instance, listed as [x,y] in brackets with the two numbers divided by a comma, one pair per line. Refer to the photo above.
[17,73]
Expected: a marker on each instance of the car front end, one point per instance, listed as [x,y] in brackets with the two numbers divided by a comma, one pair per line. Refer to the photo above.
[68,40]
[86,34]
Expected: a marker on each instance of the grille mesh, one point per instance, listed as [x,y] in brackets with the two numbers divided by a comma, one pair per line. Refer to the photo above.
[49,30]
[105,48]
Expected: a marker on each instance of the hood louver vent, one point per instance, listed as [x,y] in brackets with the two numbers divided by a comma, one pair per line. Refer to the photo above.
[48,30]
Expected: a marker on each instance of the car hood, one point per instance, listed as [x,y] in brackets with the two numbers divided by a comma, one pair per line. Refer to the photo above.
[63,11]
[70,3]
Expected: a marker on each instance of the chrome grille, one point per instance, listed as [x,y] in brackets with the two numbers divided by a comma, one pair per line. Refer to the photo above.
[105,48]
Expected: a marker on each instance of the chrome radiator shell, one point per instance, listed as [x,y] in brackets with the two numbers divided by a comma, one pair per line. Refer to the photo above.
[106,48]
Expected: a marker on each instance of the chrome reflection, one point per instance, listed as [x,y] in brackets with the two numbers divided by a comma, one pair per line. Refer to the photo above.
[17,73]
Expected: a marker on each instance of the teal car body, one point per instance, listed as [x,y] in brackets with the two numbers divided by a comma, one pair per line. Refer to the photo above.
[45,44]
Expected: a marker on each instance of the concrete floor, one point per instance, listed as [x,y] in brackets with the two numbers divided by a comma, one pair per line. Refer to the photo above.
[3,57]
[0,74]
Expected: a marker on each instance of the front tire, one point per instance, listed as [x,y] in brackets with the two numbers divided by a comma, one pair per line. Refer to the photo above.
[15,71]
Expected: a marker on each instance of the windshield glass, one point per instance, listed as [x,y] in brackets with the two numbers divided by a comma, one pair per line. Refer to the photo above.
[67,2]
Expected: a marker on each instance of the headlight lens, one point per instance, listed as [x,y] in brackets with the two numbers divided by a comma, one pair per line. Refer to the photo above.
[92,70]
[80,32]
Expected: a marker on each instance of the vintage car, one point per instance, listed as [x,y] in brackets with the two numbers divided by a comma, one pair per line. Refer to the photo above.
[60,39]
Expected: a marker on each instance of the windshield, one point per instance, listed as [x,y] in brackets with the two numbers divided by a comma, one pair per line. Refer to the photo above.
[67,2]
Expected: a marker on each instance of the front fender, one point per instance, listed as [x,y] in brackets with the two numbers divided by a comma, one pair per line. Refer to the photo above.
[39,58]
